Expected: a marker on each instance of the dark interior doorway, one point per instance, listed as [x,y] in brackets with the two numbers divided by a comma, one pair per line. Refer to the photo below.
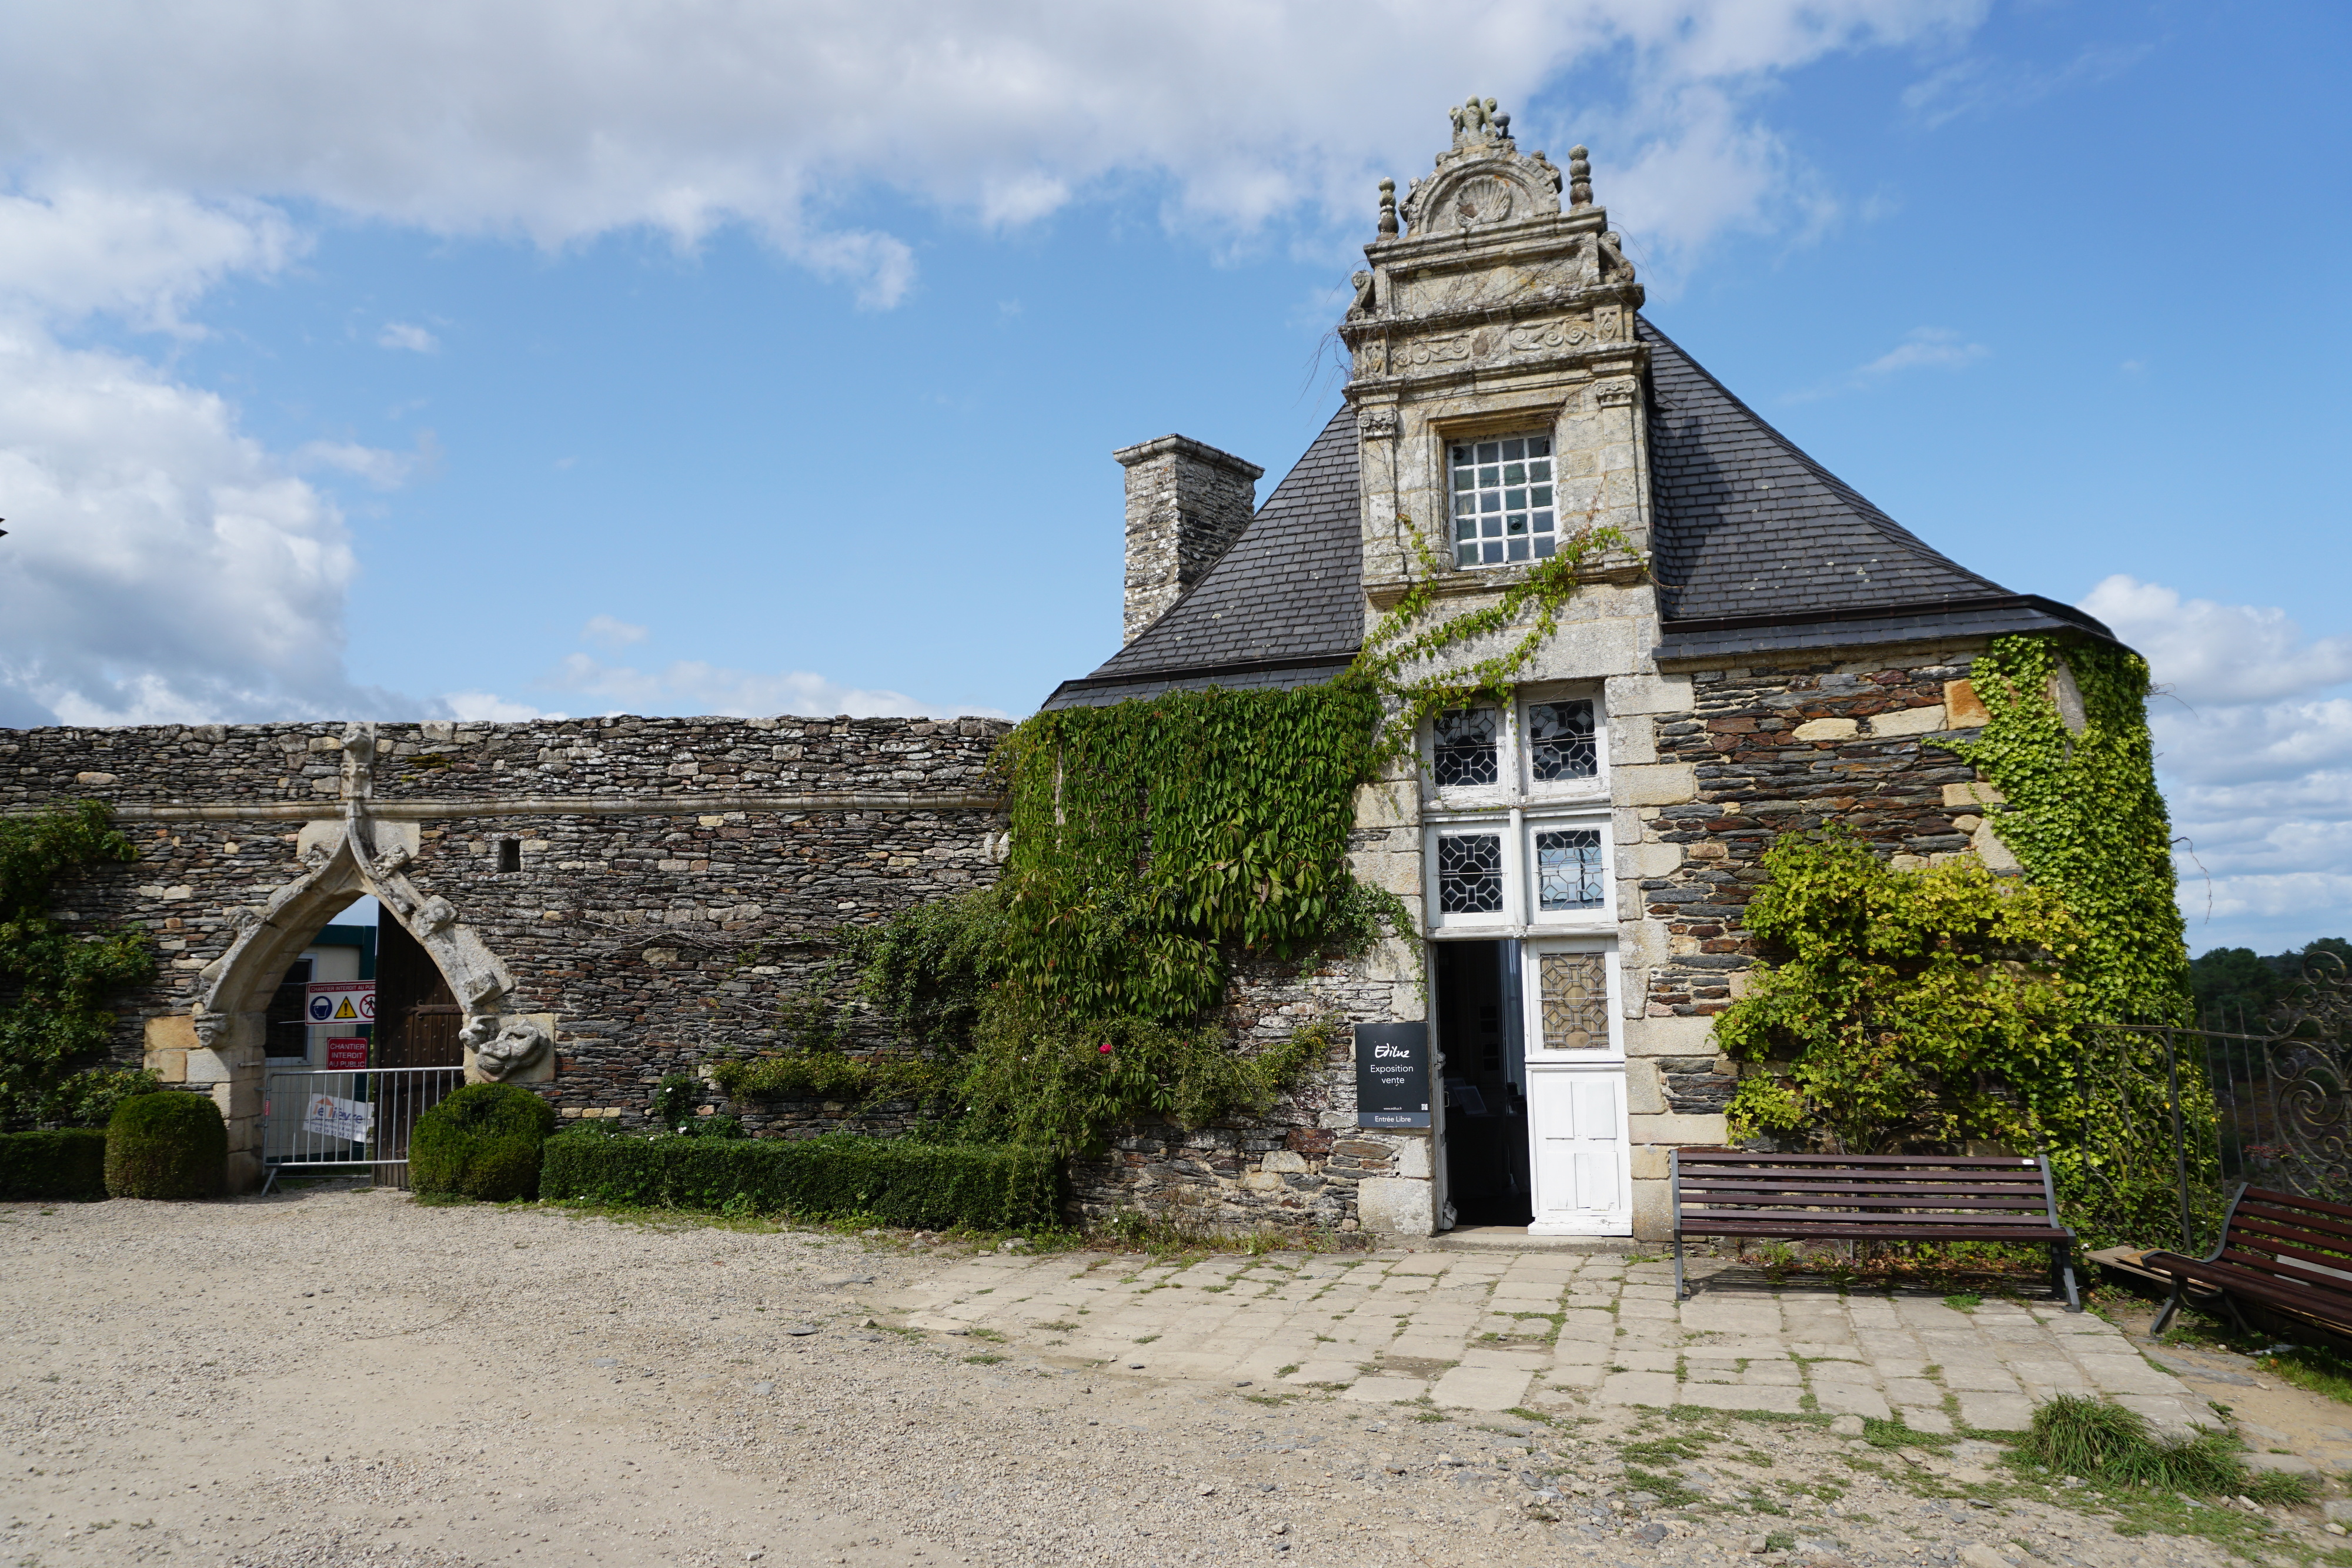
[1484,1072]
[418,1016]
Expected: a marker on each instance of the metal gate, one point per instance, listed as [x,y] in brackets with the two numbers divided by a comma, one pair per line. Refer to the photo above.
[348,1120]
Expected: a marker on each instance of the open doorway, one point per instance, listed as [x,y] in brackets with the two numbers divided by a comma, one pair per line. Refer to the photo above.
[1484,1057]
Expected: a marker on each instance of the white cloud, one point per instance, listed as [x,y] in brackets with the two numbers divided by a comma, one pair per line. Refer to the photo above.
[74,249]
[606,632]
[2255,758]
[1981,85]
[489,707]
[402,335]
[2207,652]
[690,686]
[384,469]
[160,564]
[1935,347]
[561,120]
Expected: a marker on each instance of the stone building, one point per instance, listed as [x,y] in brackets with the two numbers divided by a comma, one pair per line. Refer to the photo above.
[586,904]
[1766,650]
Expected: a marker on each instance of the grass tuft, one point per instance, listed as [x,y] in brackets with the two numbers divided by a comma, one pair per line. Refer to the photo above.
[2074,1435]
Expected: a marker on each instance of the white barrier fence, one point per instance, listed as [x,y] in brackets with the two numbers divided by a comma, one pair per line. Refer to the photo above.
[313,1120]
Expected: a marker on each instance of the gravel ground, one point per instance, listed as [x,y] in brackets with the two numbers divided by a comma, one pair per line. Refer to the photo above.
[345,1378]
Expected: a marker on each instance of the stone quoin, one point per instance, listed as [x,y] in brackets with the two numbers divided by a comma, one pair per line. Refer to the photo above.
[609,900]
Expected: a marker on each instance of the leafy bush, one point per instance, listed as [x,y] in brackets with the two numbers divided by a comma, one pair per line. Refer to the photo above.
[168,1144]
[2074,1435]
[88,1099]
[898,1181]
[55,980]
[482,1142]
[1914,1009]
[68,1164]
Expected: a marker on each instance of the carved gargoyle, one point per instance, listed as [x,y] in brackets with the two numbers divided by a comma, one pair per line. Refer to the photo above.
[1615,267]
[1363,305]
[516,1048]
[433,916]
[212,1030]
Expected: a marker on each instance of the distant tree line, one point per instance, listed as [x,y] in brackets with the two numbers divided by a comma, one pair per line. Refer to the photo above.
[2237,985]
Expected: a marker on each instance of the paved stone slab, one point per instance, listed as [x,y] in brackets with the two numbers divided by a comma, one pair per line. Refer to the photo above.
[1386,1389]
[1638,1388]
[1482,1388]
[1997,1412]
[1741,1397]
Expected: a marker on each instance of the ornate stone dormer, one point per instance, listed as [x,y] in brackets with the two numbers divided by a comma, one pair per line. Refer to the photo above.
[1488,306]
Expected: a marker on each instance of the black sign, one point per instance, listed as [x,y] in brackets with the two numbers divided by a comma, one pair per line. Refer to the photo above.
[1392,1075]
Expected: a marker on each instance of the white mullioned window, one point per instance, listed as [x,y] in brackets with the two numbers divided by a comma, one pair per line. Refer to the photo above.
[1518,830]
[1502,491]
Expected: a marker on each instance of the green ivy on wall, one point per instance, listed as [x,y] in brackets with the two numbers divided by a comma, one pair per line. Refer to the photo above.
[2084,815]
[1915,1009]
[1153,841]
[52,983]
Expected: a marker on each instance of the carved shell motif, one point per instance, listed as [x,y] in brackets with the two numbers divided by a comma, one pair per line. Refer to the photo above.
[1483,199]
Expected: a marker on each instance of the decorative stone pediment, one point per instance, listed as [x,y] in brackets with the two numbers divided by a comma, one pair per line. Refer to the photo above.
[1482,180]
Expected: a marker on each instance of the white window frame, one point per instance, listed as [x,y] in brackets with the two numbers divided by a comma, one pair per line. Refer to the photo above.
[1531,1001]
[1543,430]
[1514,780]
[1499,922]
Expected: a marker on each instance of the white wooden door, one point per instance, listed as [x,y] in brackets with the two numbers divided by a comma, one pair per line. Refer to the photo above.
[1578,1152]
[1576,1120]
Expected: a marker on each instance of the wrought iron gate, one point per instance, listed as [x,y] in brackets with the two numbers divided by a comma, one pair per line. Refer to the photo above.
[2189,1114]
[349,1120]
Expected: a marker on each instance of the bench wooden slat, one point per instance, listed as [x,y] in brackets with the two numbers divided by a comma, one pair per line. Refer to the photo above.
[2319,1232]
[1859,1198]
[1915,1162]
[2289,1236]
[2275,1248]
[1849,1181]
[1762,1223]
[2290,1200]
[2264,1263]
[1830,1230]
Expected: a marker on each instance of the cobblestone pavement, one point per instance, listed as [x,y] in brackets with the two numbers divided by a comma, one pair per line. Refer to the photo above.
[1545,1330]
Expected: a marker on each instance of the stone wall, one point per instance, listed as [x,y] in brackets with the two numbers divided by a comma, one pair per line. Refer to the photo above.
[1784,745]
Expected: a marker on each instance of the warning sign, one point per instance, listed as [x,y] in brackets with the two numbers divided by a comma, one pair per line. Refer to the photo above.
[346,1053]
[343,1001]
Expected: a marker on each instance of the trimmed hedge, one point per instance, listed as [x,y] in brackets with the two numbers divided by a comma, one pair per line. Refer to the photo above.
[482,1142]
[930,1186]
[168,1144]
[68,1165]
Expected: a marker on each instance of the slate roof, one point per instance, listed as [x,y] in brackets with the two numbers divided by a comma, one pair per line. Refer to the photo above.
[1282,607]
[1755,547]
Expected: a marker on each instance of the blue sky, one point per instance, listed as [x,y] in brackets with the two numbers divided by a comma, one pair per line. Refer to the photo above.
[515,357]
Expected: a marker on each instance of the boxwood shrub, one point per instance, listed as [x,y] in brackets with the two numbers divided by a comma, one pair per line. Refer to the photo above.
[68,1165]
[482,1142]
[895,1180]
[168,1144]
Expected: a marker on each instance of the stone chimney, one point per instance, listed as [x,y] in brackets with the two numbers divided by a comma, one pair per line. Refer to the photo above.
[1186,504]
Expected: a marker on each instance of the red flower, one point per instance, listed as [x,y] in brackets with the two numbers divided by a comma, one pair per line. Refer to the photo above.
[1104,1048]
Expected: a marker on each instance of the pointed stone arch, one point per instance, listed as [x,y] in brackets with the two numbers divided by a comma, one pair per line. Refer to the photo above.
[343,858]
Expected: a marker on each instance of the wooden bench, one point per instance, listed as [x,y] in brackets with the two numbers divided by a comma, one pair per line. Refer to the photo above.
[1869,1197]
[2284,1251]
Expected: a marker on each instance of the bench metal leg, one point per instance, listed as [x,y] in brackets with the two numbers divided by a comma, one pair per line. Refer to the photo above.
[2062,1275]
[2179,1290]
[1678,1267]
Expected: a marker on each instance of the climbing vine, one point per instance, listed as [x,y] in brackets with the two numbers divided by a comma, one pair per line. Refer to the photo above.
[53,984]
[1409,637]
[1914,1009]
[1151,842]
[2083,816]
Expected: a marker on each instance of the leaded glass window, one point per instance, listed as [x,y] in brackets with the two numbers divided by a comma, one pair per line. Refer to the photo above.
[1465,749]
[1568,869]
[1560,742]
[1574,988]
[1501,500]
[1470,874]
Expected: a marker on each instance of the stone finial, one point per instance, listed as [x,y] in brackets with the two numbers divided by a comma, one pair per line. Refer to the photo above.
[1475,122]
[1580,178]
[1388,208]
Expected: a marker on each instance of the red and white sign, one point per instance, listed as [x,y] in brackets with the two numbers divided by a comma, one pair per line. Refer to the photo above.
[341,1001]
[346,1054]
